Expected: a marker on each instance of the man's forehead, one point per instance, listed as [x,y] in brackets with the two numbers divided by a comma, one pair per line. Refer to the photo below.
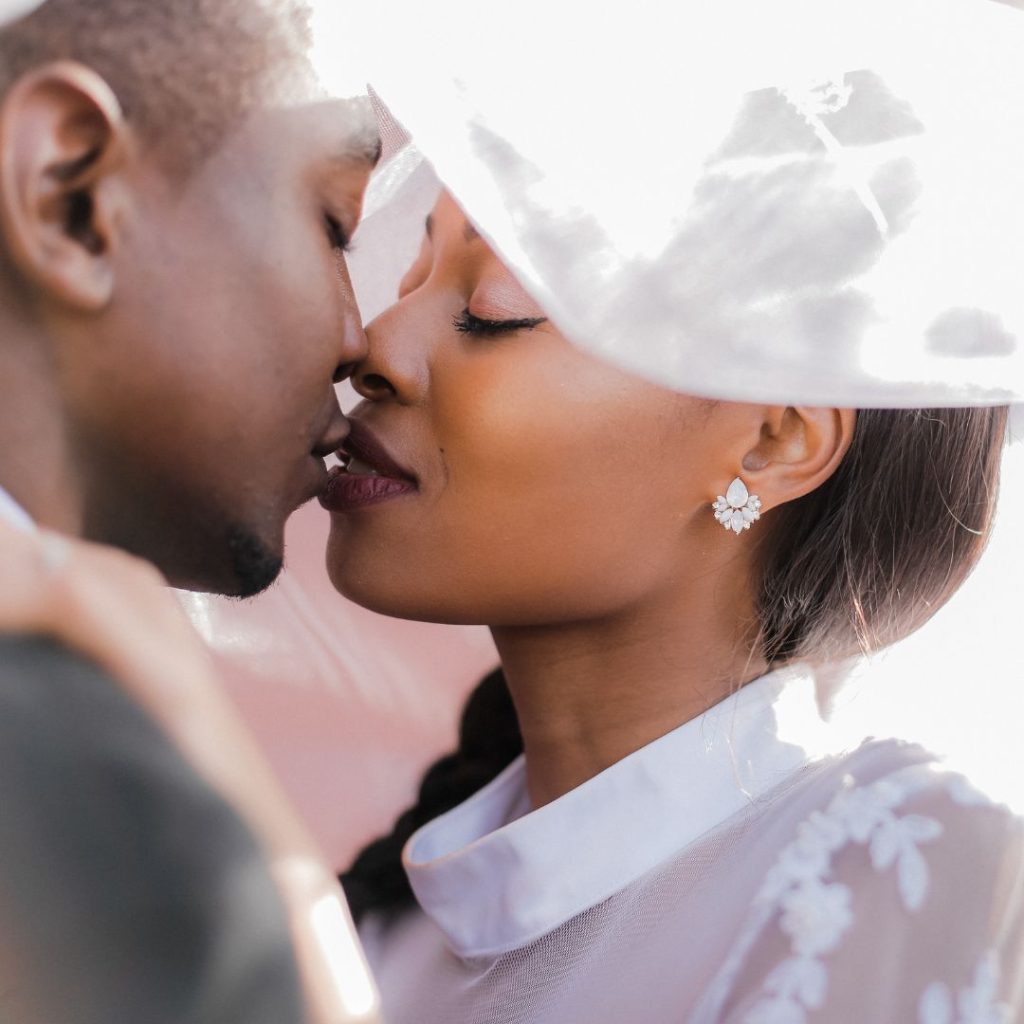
[346,129]
[359,131]
[340,131]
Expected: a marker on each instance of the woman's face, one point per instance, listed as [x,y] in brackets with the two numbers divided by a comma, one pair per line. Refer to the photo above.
[531,484]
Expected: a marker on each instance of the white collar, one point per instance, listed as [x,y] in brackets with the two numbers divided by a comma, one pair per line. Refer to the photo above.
[494,878]
[14,513]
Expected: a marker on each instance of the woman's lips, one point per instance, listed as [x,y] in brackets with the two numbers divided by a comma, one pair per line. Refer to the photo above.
[370,474]
[346,491]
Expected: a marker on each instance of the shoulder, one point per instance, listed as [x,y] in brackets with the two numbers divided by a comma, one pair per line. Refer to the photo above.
[57,708]
[22,657]
[77,752]
[116,852]
[895,837]
[45,686]
[901,892]
[888,795]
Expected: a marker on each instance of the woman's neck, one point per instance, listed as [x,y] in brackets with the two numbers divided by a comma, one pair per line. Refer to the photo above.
[590,693]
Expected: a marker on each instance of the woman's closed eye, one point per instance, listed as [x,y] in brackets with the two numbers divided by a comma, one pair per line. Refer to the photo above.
[466,323]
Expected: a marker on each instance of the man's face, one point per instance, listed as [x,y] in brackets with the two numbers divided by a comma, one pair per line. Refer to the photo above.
[202,403]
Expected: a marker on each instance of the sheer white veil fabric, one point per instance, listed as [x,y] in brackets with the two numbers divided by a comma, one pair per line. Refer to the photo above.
[812,202]
[816,200]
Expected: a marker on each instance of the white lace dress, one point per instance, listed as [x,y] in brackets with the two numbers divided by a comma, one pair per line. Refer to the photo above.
[743,868]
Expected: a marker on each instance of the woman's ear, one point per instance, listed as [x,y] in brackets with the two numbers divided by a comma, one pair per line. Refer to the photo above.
[799,448]
[63,145]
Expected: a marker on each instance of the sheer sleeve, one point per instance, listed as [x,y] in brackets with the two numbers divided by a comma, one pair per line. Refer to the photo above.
[902,901]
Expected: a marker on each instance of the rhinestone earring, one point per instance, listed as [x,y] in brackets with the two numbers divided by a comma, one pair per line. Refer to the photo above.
[739,508]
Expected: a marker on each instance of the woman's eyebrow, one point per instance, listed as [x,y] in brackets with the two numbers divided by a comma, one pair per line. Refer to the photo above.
[469,232]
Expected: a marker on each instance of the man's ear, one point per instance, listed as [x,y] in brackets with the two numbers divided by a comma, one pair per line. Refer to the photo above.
[63,144]
[799,448]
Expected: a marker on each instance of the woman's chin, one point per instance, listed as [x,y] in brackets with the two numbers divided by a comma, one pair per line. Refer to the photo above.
[387,595]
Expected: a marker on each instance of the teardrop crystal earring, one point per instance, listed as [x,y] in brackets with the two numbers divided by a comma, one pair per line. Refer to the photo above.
[739,508]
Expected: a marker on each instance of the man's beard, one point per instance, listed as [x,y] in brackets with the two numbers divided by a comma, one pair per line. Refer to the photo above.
[255,567]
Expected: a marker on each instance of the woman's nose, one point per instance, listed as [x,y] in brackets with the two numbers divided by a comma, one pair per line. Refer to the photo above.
[395,366]
[370,384]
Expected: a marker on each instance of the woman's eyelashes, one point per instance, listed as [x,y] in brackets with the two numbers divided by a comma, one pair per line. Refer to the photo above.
[466,323]
[337,235]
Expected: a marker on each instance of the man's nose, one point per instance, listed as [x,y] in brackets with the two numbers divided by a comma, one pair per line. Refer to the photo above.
[354,346]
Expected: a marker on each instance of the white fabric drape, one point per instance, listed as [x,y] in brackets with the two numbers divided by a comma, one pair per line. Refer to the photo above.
[809,198]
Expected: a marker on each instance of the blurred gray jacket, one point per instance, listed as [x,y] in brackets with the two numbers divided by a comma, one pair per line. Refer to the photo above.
[129,892]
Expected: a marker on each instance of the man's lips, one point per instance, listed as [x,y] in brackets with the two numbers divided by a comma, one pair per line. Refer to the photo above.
[331,439]
[370,474]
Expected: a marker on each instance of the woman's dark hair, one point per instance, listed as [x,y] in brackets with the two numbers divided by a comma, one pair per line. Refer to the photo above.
[855,565]
[489,741]
[873,553]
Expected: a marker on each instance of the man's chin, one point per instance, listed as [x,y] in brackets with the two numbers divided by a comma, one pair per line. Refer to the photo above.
[255,564]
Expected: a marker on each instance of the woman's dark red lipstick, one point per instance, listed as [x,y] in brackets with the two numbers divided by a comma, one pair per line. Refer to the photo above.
[369,476]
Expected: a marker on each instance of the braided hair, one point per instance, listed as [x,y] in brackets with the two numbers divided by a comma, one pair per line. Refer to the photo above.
[489,741]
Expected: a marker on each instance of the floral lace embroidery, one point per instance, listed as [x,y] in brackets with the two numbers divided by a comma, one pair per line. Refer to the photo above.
[815,912]
[975,1004]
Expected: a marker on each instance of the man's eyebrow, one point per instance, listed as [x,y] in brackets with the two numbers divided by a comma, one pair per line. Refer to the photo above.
[363,150]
